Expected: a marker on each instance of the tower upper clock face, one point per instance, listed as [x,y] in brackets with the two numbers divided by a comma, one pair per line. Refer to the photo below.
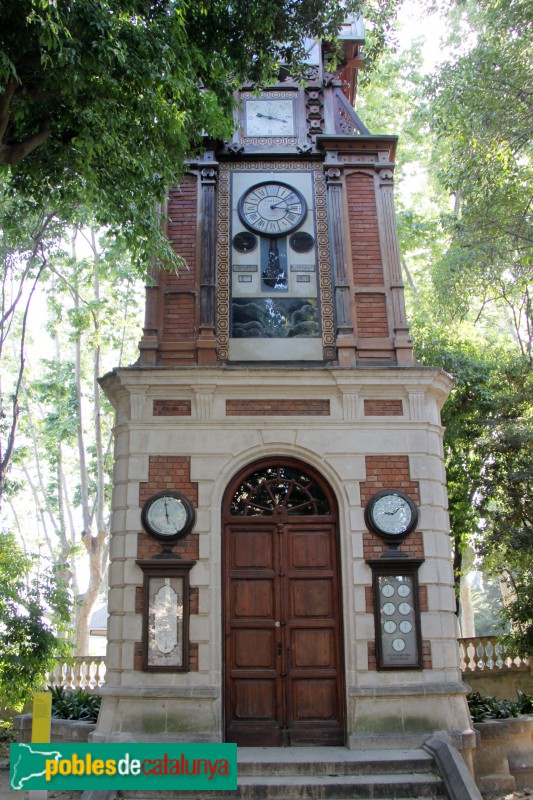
[272,208]
[269,118]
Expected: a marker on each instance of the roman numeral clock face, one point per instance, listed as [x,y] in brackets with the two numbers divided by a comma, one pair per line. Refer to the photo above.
[272,208]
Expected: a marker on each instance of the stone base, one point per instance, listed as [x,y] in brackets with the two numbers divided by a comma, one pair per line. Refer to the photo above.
[406,715]
[61,730]
[496,785]
[504,754]
[159,714]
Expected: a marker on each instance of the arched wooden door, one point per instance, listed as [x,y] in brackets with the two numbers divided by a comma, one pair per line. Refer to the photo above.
[284,676]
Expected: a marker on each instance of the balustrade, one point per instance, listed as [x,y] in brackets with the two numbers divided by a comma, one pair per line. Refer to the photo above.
[486,653]
[479,653]
[80,673]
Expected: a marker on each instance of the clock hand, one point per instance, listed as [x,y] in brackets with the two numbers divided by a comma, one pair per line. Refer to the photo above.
[166,512]
[275,205]
[266,116]
[390,513]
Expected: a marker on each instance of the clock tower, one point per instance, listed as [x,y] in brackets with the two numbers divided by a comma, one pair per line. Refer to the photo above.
[280,559]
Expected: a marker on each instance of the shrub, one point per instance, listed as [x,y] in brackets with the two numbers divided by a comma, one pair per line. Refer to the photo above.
[483,708]
[76,704]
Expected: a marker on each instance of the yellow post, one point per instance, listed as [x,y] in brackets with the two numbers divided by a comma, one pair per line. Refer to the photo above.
[42,716]
[40,730]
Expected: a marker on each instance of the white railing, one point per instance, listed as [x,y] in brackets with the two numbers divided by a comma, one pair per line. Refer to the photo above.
[486,654]
[478,654]
[82,673]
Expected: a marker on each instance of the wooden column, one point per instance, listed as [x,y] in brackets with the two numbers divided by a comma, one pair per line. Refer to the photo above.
[207,353]
[345,340]
[149,343]
[392,268]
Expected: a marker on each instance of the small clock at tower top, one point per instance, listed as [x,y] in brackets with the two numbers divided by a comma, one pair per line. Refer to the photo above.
[289,114]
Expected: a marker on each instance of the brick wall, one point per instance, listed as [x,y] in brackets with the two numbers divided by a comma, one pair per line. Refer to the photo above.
[388,472]
[383,408]
[179,304]
[171,408]
[178,321]
[181,228]
[371,316]
[365,247]
[277,408]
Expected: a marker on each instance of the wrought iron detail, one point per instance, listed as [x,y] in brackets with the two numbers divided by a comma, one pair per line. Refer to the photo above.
[279,489]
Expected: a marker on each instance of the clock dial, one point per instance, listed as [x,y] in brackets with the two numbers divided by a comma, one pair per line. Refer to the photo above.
[404,608]
[168,515]
[244,242]
[387,590]
[269,118]
[389,626]
[272,208]
[398,645]
[404,590]
[405,626]
[391,514]
[389,609]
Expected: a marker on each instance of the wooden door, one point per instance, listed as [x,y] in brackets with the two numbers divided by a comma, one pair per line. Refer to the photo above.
[283,636]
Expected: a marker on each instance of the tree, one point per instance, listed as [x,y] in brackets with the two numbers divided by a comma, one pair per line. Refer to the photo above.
[58,491]
[466,250]
[34,615]
[101,105]
[481,112]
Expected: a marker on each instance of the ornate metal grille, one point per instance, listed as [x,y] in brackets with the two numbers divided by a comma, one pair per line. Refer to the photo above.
[279,488]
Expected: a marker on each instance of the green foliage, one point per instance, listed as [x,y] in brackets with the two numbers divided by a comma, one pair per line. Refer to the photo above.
[483,708]
[482,119]
[525,701]
[8,735]
[34,615]
[466,236]
[7,732]
[75,704]
[488,449]
[487,604]
[102,103]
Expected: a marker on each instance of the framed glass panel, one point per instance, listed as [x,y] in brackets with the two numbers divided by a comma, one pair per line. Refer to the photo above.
[166,616]
[397,613]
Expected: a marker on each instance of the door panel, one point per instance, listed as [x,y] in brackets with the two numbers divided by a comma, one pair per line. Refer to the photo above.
[252,598]
[311,598]
[284,680]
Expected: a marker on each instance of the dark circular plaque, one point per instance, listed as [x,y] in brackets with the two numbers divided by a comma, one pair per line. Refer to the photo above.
[301,242]
[244,242]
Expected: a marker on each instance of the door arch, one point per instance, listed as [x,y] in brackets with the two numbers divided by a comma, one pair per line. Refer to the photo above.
[284,664]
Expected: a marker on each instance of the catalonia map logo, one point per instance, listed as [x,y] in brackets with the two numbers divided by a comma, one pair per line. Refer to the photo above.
[123,766]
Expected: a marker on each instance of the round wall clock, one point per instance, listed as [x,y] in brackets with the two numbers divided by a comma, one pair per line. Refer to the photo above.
[168,516]
[391,514]
[272,208]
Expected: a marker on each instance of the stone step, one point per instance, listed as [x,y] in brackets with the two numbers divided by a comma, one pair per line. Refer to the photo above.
[323,773]
[331,761]
[317,787]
